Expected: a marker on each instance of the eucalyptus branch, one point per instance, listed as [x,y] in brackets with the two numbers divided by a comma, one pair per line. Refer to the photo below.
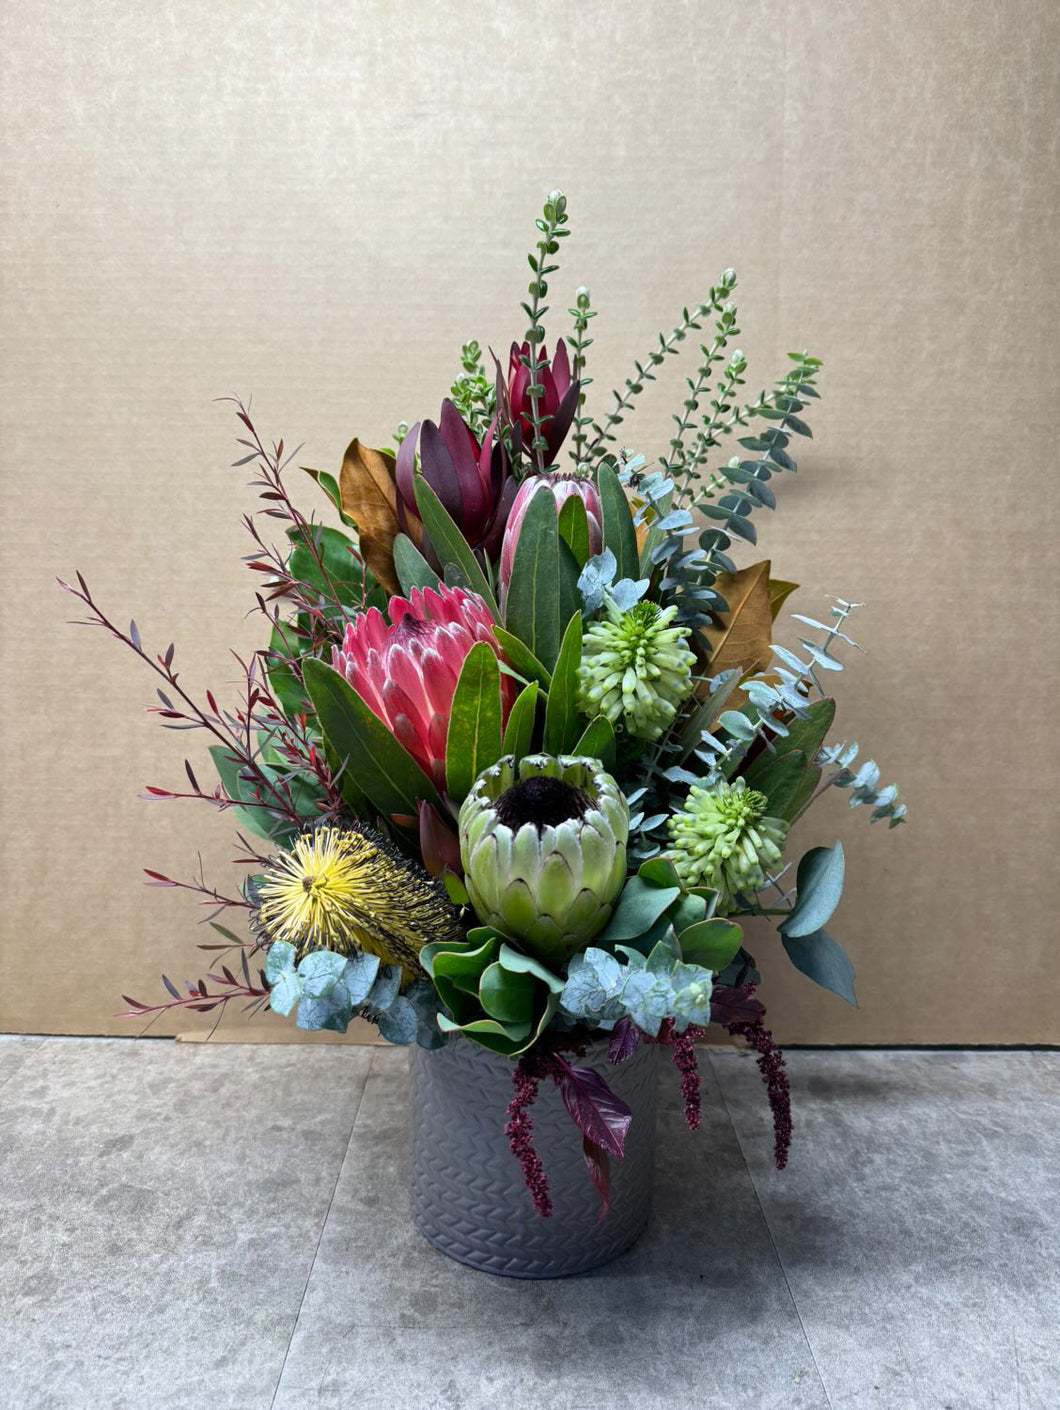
[581,313]
[668,345]
[552,231]
[689,467]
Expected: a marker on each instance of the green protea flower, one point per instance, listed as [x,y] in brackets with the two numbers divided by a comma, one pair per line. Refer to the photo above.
[723,839]
[543,846]
[636,669]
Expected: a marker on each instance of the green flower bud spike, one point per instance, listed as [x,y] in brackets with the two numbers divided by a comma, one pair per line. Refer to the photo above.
[543,846]
[723,839]
[636,669]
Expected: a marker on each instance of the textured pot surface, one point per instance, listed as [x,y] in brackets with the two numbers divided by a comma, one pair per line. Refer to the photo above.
[468,1194]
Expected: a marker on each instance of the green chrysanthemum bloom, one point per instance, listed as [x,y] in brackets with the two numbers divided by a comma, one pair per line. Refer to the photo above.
[636,669]
[723,839]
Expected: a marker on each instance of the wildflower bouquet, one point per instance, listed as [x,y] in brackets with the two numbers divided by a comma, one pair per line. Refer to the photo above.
[520,754]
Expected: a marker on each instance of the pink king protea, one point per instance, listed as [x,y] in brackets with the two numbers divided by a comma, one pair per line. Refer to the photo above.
[407,672]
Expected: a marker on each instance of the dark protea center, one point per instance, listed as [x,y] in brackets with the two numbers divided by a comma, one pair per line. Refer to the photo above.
[543,801]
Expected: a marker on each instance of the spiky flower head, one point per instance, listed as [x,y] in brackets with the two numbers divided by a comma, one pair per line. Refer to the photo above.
[636,669]
[348,889]
[722,838]
[406,673]
[543,844]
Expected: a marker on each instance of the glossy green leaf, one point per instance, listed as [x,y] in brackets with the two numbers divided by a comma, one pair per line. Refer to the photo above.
[570,598]
[330,486]
[711,943]
[353,796]
[286,641]
[620,535]
[473,742]
[518,963]
[519,731]
[823,960]
[687,910]
[809,734]
[254,819]
[659,871]
[574,528]
[484,983]
[456,968]
[411,567]
[450,544]
[563,722]
[639,907]
[819,883]
[705,715]
[506,1039]
[598,742]
[506,996]
[533,602]
[331,567]
[781,777]
[708,896]
[802,793]
[521,659]
[386,773]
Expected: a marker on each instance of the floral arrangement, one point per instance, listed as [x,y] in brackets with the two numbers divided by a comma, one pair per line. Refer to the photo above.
[520,754]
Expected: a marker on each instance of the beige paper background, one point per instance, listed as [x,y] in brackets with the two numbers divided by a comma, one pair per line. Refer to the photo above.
[316,203]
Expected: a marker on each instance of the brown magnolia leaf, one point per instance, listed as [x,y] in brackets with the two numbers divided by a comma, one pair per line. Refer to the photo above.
[741,636]
[779,592]
[369,498]
[642,528]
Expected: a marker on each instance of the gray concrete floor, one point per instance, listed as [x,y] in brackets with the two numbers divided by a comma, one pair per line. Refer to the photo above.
[226,1226]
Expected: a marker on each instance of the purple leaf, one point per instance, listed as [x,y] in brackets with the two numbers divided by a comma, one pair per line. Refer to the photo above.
[594,1108]
[625,1040]
[599,1168]
[734,1006]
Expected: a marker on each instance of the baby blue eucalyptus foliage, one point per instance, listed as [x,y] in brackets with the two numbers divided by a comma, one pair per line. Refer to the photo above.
[331,989]
[601,989]
[862,785]
[668,346]
[597,581]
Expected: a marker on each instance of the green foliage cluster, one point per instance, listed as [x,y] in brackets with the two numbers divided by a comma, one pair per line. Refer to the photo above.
[474,394]
[645,544]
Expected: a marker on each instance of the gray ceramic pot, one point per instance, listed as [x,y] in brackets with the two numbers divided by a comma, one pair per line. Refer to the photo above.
[468,1195]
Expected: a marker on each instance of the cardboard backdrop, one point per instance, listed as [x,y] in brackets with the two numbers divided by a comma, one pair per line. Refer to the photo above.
[315,204]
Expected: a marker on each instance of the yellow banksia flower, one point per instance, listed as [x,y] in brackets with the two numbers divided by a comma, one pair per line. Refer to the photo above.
[348,889]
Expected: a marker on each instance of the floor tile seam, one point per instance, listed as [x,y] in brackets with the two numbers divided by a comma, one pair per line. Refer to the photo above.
[320,1235]
[772,1239]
